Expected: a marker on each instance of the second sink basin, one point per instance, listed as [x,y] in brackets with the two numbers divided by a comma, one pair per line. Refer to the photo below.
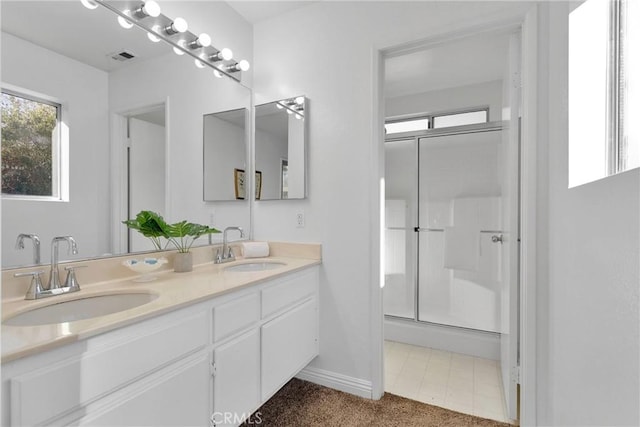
[79,309]
[255,266]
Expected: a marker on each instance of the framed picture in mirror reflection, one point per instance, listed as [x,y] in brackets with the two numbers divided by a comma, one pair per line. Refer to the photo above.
[258,184]
[239,180]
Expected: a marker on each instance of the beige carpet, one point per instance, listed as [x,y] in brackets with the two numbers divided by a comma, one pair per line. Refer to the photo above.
[304,404]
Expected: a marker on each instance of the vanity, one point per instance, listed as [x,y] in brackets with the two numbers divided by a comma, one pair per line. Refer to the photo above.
[209,348]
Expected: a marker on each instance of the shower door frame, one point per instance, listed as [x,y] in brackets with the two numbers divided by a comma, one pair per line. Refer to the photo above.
[416,136]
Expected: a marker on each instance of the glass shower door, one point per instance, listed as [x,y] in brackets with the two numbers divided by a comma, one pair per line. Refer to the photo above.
[400,218]
[459,216]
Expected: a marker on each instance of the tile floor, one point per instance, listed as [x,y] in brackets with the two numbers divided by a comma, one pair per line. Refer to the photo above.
[451,380]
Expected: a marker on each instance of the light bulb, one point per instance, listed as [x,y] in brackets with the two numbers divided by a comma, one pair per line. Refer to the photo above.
[151,8]
[298,116]
[244,65]
[178,51]
[279,106]
[203,40]
[178,25]
[199,63]
[289,111]
[153,37]
[223,55]
[124,23]
[89,4]
[300,100]
[217,73]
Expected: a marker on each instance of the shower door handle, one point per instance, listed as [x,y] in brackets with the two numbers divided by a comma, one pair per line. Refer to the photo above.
[497,238]
[419,229]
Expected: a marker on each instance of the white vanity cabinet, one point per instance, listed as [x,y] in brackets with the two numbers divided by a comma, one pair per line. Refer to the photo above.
[210,363]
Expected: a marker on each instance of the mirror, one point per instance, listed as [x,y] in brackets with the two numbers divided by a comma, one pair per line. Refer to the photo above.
[225,136]
[280,149]
[130,128]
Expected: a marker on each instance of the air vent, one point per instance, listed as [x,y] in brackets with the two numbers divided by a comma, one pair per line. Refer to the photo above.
[122,55]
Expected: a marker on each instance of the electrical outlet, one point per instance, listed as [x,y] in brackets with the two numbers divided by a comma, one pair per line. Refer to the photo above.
[300,220]
[212,217]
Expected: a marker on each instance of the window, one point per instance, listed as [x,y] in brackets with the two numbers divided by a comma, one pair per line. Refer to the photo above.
[410,125]
[604,40]
[461,119]
[436,121]
[30,144]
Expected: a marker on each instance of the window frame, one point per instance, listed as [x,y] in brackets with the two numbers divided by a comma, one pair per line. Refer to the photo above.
[56,146]
[430,117]
[616,149]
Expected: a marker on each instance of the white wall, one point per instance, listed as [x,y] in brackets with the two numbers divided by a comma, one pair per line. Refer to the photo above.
[594,272]
[270,149]
[82,92]
[297,158]
[225,150]
[332,64]
[477,95]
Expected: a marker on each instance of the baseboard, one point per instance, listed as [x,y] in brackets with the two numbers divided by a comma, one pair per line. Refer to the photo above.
[457,340]
[336,381]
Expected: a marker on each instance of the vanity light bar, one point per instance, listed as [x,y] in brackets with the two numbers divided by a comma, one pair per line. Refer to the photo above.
[292,106]
[158,27]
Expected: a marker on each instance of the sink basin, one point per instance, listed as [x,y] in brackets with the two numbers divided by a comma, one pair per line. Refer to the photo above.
[254,266]
[79,309]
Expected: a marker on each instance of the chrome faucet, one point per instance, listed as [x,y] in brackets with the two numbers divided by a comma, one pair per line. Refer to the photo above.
[54,276]
[227,253]
[36,245]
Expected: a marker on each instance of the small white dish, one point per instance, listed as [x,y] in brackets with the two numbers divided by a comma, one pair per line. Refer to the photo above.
[144,267]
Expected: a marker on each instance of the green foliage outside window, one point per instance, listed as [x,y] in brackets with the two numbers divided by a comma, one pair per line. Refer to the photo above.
[27,140]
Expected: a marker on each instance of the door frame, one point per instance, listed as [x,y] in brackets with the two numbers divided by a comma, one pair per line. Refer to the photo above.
[528,190]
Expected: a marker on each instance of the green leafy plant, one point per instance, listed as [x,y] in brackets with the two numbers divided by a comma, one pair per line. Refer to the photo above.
[181,234]
[151,225]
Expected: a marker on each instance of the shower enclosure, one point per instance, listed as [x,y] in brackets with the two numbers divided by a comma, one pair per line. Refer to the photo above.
[445,226]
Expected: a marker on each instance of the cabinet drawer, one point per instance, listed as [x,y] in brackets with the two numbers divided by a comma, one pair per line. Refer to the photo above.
[288,292]
[235,315]
[46,393]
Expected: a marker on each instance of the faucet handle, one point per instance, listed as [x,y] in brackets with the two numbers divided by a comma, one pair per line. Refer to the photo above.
[71,281]
[35,288]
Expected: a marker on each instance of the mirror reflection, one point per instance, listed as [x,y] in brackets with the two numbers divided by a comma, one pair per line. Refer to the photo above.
[225,136]
[280,149]
[126,134]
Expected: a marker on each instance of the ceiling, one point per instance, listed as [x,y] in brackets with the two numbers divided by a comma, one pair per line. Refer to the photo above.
[468,61]
[70,29]
[256,11]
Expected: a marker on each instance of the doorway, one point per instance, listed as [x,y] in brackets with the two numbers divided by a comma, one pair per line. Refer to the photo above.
[451,237]
[141,138]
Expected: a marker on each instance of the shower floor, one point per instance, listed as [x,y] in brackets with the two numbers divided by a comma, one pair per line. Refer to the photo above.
[459,382]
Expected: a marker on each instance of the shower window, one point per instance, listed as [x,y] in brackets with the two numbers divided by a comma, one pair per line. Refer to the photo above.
[437,121]
[461,119]
[409,125]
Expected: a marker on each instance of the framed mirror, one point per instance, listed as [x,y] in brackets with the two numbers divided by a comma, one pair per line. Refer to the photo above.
[126,135]
[280,149]
[225,153]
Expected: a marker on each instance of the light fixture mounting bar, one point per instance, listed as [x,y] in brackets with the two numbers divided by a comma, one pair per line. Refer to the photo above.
[162,21]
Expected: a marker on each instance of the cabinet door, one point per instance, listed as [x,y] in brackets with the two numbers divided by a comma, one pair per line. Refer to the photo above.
[236,379]
[289,343]
[179,398]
